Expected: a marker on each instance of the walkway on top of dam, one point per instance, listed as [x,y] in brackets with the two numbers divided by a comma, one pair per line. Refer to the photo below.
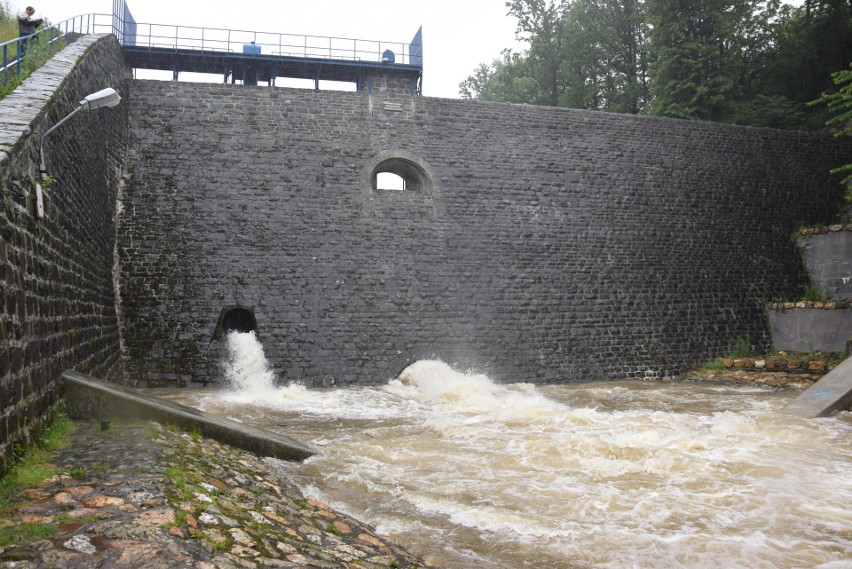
[250,57]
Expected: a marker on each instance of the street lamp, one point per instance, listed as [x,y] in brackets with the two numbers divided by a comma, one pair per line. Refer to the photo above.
[104,98]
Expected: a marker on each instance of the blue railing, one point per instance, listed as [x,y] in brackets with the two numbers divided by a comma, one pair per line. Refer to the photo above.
[85,24]
[137,35]
[265,43]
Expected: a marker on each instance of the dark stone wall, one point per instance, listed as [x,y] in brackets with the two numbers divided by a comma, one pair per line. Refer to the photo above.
[57,306]
[543,245]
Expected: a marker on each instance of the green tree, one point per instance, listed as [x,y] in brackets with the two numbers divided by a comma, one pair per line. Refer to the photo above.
[610,47]
[506,79]
[754,62]
[541,24]
[535,76]
[688,70]
[812,41]
[839,103]
[584,54]
[709,57]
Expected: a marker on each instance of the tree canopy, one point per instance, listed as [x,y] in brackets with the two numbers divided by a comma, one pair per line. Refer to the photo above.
[756,62]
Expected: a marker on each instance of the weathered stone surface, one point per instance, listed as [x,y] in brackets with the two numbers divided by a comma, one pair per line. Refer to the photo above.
[168,468]
[103,501]
[538,244]
[832,393]
[88,397]
[545,244]
[57,300]
[808,328]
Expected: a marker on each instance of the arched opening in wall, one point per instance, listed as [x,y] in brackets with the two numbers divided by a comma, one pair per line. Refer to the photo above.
[235,319]
[400,174]
[389,181]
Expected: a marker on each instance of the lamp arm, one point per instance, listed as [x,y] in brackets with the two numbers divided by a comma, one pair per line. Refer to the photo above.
[41,165]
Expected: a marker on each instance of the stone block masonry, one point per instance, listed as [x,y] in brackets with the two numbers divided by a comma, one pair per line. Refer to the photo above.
[534,244]
[57,306]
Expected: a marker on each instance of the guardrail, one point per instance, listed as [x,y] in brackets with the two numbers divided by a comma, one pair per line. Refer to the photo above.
[84,24]
[137,35]
[265,43]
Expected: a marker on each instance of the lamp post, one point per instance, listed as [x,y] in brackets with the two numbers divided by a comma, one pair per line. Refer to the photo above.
[104,98]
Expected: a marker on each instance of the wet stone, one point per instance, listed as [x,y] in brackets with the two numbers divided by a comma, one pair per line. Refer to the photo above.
[80,543]
[103,501]
[130,511]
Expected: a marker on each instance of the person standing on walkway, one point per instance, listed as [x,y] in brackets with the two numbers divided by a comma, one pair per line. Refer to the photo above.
[26,27]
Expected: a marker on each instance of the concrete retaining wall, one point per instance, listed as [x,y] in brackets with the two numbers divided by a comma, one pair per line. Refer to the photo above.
[811,329]
[828,259]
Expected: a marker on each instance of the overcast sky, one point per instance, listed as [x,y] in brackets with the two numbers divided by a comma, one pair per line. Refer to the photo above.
[457,34]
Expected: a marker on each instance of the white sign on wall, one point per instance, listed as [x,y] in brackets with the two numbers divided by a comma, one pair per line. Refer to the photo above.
[39,202]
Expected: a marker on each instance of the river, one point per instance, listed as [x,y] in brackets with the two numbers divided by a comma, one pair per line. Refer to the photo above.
[646,474]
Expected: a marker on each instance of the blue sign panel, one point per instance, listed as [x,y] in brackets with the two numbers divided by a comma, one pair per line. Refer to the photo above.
[415,49]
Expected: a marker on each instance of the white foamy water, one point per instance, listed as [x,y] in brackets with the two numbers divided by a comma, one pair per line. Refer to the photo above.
[247,372]
[472,474]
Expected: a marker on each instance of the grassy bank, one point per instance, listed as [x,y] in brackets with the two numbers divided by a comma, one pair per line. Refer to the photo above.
[33,470]
[39,51]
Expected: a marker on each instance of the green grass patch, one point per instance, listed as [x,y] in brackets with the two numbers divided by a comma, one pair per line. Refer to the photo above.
[34,467]
[741,349]
[64,518]
[24,534]
[330,528]
[39,51]
[714,366]
[813,294]
[830,358]
[77,473]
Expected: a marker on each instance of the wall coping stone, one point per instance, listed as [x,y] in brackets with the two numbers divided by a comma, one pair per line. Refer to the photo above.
[23,106]
[811,304]
[813,231]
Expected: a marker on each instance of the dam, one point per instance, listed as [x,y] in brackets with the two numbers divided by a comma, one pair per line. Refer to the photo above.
[534,244]
[541,248]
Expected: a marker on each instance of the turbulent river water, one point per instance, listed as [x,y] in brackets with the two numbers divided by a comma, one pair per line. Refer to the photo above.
[473,474]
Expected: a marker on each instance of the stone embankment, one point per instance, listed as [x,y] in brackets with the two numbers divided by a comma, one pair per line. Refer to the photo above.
[141,495]
[781,374]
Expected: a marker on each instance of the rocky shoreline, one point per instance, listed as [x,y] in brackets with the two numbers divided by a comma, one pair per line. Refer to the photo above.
[142,495]
[796,381]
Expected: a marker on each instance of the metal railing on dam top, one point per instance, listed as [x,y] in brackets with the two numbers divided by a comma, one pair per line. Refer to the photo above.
[78,25]
[200,42]
[289,45]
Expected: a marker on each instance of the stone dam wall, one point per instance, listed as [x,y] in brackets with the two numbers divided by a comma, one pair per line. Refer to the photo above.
[57,306]
[534,244]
